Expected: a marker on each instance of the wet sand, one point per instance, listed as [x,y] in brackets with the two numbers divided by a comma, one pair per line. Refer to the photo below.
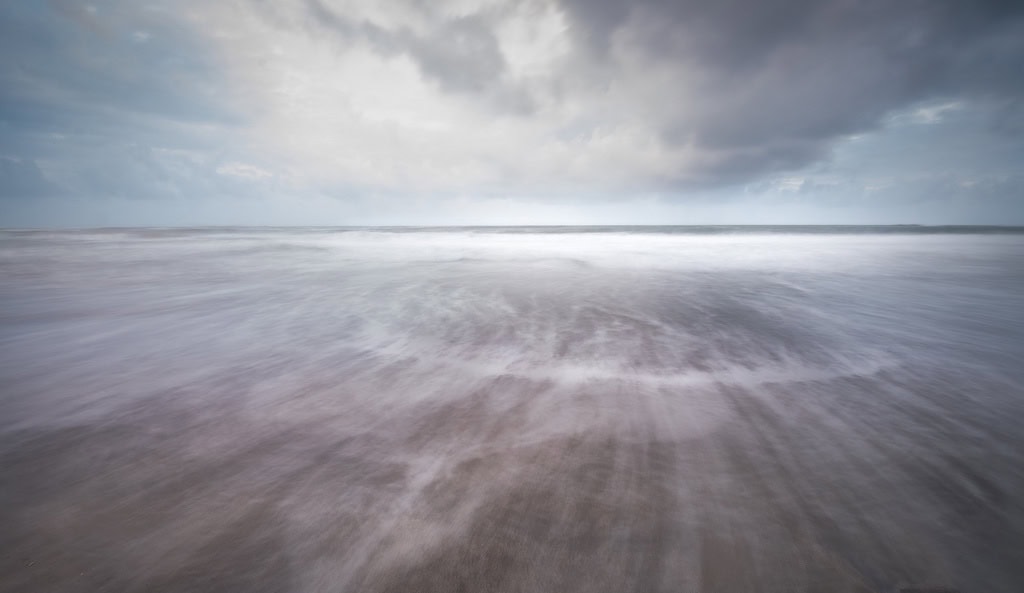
[136,505]
[175,453]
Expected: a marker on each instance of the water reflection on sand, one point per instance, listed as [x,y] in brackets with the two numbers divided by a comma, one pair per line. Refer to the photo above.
[287,410]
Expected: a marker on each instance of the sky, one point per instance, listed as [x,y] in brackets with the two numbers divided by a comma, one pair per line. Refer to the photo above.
[419,112]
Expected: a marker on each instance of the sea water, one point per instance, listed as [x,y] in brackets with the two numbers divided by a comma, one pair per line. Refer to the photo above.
[512,409]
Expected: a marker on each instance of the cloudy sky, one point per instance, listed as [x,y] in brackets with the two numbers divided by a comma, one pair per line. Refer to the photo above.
[350,112]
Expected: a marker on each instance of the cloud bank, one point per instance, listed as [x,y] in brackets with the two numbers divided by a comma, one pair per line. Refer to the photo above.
[385,110]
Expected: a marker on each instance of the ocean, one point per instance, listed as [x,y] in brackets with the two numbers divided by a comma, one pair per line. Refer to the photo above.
[534,409]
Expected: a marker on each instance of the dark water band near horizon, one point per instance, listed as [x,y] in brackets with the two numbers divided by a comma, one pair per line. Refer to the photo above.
[534,409]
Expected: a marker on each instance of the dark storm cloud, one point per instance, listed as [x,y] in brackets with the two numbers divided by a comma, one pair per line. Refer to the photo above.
[777,82]
[762,86]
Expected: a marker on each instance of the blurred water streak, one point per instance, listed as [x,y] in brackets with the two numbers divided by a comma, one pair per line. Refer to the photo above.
[546,409]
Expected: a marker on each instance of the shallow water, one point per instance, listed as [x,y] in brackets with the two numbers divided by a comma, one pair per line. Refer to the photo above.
[568,409]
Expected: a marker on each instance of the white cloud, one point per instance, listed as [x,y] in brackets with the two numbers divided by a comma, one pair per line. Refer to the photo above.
[244,171]
[933,114]
[343,113]
[373,96]
[512,110]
